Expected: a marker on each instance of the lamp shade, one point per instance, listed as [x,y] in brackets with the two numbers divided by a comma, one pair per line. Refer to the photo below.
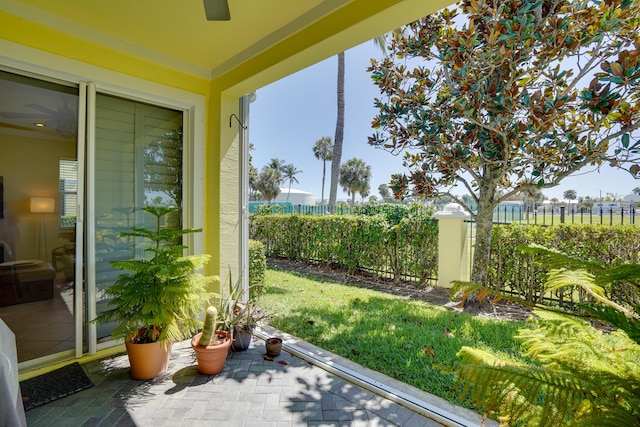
[43,204]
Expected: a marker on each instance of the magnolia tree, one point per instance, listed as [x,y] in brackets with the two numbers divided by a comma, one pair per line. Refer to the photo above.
[504,97]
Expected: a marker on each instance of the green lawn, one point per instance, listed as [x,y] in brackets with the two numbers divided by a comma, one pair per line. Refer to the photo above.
[401,338]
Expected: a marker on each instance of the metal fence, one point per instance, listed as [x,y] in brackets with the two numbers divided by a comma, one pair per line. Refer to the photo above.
[564,215]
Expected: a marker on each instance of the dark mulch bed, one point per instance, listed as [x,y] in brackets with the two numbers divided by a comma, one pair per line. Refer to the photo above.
[436,295]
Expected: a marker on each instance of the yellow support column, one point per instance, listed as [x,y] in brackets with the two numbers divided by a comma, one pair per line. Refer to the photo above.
[452,244]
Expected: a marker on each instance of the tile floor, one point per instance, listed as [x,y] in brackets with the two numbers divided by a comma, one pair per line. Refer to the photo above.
[43,327]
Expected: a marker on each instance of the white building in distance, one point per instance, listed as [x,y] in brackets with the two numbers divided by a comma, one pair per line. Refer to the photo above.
[296,197]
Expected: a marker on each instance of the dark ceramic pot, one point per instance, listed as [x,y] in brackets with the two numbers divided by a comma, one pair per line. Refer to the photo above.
[241,339]
[274,345]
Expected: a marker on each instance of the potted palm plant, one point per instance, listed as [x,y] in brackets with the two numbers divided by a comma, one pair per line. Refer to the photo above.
[159,298]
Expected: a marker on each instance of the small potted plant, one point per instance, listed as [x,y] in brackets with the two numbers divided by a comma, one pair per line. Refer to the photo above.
[228,323]
[243,315]
[211,345]
[159,300]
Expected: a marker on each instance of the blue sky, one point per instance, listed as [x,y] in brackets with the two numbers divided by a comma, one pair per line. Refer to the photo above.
[289,115]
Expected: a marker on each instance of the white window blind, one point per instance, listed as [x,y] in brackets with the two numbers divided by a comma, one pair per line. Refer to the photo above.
[68,176]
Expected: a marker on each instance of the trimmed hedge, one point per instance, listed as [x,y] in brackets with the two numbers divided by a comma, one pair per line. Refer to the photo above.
[257,268]
[514,272]
[406,250]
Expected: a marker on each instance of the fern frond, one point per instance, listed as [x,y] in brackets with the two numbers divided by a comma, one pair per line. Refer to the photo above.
[616,318]
[517,390]
[562,278]
[463,290]
[554,259]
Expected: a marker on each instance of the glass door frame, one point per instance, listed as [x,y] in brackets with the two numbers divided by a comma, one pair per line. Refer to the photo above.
[91,79]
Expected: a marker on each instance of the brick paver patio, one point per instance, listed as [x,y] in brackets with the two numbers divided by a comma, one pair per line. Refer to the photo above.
[251,391]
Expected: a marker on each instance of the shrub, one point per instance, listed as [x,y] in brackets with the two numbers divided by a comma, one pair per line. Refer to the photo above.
[514,271]
[406,250]
[257,268]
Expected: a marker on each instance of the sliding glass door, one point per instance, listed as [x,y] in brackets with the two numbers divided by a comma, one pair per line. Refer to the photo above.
[76,167]
[138,162]
[38,170]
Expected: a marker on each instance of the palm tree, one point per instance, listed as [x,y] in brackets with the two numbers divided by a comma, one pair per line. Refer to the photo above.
[384,191]
[276,164]
[337,140]
[289,173]
[636,191]
[323,150]
[354,177]
[268,183]
[570,195]
[253,179]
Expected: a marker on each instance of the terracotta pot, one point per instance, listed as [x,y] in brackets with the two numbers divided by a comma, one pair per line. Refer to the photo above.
[273,345]
[148,360]
[241,339]
[211,359]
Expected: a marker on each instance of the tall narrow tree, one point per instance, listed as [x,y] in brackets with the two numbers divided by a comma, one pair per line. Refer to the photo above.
[337,140]
[289,172]
[323,150]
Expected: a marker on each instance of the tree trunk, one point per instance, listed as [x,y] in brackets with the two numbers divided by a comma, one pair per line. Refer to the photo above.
[324,173]
[484,230]
[482,247]
[337,141]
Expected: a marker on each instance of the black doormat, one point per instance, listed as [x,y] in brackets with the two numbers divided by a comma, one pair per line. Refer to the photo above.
[54,385]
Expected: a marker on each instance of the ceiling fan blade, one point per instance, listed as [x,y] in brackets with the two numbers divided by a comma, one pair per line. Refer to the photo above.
[10,126]
[217,10]
[12,115]
[41,108]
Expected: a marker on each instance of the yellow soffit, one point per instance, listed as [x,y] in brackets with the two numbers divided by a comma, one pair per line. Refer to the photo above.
[260,35]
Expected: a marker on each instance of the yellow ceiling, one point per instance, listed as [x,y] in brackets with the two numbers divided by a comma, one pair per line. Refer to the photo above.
[175,31]
[275,37]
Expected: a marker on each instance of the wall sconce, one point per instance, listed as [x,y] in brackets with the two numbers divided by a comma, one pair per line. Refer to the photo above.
[42,205]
